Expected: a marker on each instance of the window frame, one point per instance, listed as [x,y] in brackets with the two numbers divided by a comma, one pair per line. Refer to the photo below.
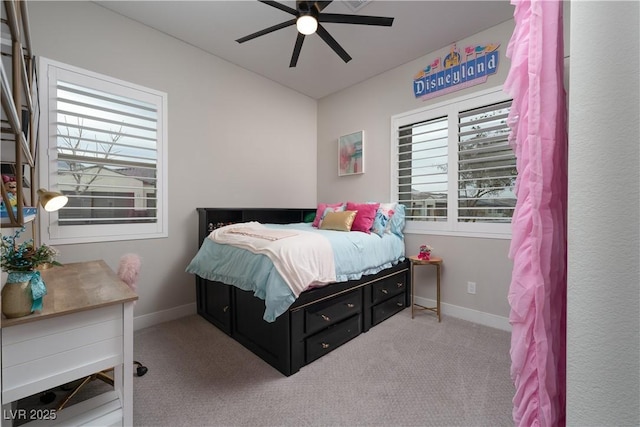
[49,229]
[449,108]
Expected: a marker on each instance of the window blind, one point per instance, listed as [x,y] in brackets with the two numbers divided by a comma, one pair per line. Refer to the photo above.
[453,167]
[486,165]
[106,147]
[423,183]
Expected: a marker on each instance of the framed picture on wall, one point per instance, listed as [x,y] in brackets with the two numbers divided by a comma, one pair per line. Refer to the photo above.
[351,154]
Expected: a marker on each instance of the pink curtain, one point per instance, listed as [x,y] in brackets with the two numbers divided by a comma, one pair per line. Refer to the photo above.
[537,294]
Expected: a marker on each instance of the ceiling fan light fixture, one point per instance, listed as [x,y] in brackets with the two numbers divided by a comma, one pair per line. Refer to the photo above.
[307,15]
[307,24]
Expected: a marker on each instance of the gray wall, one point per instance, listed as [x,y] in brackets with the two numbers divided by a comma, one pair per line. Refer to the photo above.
[603,344]
[369,106]
[227,142]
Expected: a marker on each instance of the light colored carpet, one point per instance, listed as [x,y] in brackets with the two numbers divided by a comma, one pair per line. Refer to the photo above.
[402,372]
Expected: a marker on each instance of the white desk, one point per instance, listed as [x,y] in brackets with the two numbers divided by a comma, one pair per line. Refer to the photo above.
[86,326]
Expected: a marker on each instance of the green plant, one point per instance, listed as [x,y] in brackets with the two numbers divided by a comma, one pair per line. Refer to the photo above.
[24,257]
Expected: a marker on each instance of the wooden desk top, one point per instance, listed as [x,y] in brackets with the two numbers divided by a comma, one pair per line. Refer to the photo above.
[417,261]
[77,287]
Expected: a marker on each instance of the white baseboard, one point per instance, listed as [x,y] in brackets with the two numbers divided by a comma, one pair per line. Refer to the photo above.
[463,313]
[146,320]
[475,316]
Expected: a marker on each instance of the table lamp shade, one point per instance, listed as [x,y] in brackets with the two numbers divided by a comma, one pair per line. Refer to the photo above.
[51,201]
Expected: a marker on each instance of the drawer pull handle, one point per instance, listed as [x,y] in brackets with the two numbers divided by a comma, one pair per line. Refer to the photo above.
[325,317]
[399,284]
[325,345]
[225,308]
[384,291]
[350,305]
[400,304]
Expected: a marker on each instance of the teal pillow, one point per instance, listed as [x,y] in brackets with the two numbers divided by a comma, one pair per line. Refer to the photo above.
[309,217]
[397,220]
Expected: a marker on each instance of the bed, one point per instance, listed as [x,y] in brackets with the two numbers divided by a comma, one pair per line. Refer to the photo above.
[292,327]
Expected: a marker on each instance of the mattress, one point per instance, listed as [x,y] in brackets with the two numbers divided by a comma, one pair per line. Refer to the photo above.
[354,254]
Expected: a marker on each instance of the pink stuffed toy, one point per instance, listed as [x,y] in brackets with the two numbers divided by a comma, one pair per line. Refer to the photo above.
[129,269]
[425,252]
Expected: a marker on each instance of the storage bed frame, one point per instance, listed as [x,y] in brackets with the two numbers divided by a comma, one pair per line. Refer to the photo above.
[319,321]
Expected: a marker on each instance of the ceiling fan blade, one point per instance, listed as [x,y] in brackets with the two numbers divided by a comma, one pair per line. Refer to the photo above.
[333,44]
[296,50]
[339,18]
[322,4]
[266,31]
[280,6]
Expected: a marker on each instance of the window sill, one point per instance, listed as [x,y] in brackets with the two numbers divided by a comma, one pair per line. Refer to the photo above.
[466,234]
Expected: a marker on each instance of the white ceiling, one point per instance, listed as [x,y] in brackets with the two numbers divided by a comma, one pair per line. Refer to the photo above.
[419,28]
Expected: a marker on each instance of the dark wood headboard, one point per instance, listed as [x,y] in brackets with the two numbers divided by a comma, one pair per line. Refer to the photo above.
[211,218]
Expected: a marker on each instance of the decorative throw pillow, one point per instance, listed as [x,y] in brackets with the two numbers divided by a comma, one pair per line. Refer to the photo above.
[309,217]
[382,221]
[321,209]
[365,217]
[398,220]
[339,221]
[328,210]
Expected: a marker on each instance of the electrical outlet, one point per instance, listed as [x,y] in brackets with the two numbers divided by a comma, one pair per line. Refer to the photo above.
[471,287]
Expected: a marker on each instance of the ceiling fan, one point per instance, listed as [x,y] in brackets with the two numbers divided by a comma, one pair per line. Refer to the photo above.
[308,15]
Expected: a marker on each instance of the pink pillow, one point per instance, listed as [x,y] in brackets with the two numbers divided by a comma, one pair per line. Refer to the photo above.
[320,212]
[365,216]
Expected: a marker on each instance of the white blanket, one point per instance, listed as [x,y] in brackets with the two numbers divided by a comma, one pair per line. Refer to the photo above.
[263,233]
[303,259]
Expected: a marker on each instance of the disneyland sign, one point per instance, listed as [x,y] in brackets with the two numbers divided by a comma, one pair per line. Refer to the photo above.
[455,72]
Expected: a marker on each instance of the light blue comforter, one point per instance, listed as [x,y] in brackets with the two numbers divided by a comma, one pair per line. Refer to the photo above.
[355,254]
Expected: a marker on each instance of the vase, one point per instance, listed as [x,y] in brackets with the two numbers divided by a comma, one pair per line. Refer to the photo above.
[16,299]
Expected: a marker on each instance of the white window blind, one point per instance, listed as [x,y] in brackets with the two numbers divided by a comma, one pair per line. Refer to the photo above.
[107,153]
[486,165]
[423,182]
[454,170]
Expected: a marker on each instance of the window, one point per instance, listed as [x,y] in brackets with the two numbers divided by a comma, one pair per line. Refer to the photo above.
[455,171]
[104,145]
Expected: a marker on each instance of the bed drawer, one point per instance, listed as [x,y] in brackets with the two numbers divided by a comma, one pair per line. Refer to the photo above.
[215,301]
[324,314]
[336,335]
[388,308]
[386,288]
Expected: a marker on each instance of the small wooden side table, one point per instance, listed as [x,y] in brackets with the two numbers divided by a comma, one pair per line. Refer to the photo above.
[437,261]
